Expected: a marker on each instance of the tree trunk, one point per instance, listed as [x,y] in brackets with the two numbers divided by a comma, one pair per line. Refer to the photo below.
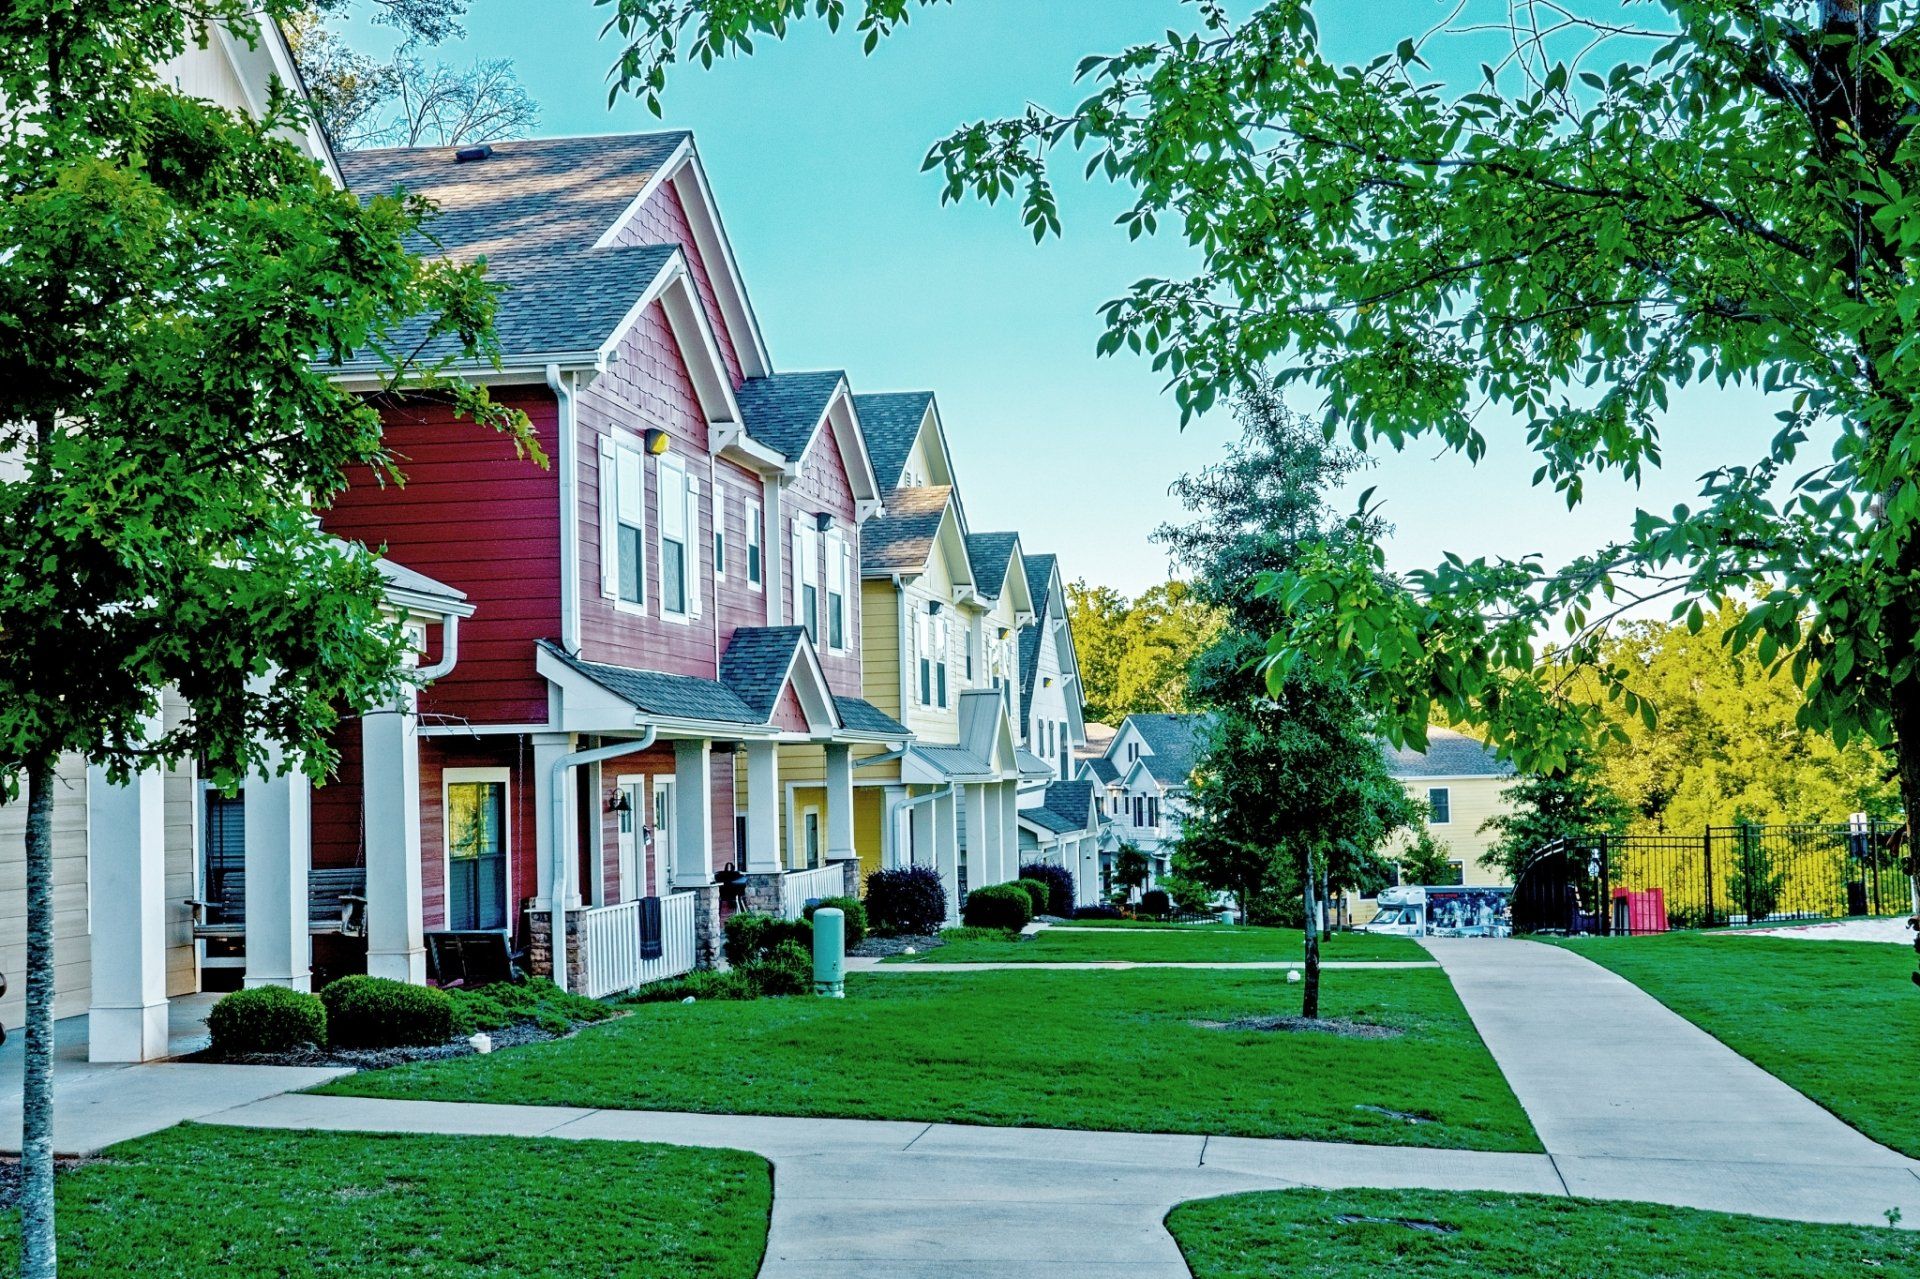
[36,1148]
[1906,757]
[1310,992]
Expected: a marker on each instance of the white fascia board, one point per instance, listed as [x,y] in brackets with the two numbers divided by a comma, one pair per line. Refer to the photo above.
[689,179]
[655,180]
[523,371]
[267,59]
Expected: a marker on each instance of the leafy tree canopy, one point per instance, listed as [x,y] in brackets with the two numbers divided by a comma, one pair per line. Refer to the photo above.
[1135,653]
[1575,805]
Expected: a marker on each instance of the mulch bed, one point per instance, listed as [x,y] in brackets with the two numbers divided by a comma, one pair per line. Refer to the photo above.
[378,1058]
[1341,1026]
[11,1176]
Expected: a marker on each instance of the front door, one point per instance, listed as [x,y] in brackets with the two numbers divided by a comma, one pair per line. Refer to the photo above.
[662,837]
[633,820]
[476,855]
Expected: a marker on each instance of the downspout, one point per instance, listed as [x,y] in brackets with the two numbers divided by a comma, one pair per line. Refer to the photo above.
[557,802]
[564,453]
[449,650]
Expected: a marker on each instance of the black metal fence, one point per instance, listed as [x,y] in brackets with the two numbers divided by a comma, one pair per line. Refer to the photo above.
[1721,876]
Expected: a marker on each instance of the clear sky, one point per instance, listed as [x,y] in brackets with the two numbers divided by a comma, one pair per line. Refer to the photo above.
[814,152]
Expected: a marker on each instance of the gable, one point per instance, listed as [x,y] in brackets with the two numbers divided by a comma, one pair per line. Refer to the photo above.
[662,219]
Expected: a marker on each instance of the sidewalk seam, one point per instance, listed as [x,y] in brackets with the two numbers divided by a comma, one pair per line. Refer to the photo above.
[916,1137]
[1554,1163]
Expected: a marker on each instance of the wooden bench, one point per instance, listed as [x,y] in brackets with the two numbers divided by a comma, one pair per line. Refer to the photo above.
[336,903]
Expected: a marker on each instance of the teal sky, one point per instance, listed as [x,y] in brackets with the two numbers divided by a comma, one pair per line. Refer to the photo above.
[814,152]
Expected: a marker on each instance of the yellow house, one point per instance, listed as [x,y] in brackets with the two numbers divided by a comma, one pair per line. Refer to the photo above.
[1462,783]
[942,609]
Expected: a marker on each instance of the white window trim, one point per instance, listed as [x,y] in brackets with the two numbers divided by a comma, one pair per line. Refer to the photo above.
[664,469]
[1448,792]
[836,555]
[450,777]
[612,525]
[756,540]
[720,546]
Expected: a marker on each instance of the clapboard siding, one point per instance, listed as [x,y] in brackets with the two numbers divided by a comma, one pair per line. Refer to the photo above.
[823,487]
[71,944]
[663,220]
[479,518]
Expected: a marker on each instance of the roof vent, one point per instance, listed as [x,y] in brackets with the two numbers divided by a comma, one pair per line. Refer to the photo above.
[468,155]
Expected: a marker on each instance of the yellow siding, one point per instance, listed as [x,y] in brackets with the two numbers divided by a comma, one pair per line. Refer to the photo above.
[72,955]
[880,645]
[869,818]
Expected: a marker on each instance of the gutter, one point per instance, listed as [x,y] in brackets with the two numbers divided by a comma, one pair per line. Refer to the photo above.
[449,650]
[565,449]
[557,816]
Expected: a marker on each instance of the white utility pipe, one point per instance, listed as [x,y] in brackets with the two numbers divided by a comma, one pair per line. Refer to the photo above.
[562,846]
[565,448]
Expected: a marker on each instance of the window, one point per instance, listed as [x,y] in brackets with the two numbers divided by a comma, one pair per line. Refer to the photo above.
[623,522]
[1133,751]
[755,573]
[1440,802]
[476,808]
[1457,873]
[932,639]
[943,648]
[674,524]
[1153,810]
[971,638]
[923,653]
[810,840]
[1066,751]
[806,577]
[1139,810]
[719,532]
[837,624]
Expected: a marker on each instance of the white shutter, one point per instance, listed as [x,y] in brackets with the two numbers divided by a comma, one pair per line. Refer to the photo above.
[696,586]
[609,523]
[799,558]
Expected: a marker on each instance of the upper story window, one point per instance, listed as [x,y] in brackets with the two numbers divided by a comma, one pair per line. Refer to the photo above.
[839,624]
[1440,804]
[623,522]
[755,542]
[1133,751]
[679,520]
[1065,751]
[806,577]
[932,640]
[719,531]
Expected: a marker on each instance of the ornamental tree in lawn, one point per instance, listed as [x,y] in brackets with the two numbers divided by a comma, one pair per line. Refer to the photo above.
[1624,200]
[174,279]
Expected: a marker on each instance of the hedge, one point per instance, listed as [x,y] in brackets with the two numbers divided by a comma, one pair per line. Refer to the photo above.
[1036,889]
[856,917]
[906,899]
[751,935]
[267,1019]
[1060,887]
[378,1012]
[1002,906]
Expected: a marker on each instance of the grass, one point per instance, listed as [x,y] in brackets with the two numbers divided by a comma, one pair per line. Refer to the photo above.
[1106,1050]
[1195,944]
[1419,1234]
[198,1200]
[1836,1020]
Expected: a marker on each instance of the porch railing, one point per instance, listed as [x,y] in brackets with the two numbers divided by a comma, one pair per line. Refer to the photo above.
[610,941]
[802,886]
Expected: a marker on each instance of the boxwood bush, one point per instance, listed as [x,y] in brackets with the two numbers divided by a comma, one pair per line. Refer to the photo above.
[1060,887]
[785,968]
[378,1012]
[1003,906]
[906,899]
[1036,889]
[267,1019]
[1155,902]
[856,917]
[751,935]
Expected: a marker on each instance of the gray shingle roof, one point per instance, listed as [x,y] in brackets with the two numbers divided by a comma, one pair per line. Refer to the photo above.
[1104,769]
[862,716]
[902,539]
[1448,754]
[890,422]
[756,663]
[1050,820]
[784,410]
[990,554]
[1176,742]
[1073,802]
[672,696]
[531,195]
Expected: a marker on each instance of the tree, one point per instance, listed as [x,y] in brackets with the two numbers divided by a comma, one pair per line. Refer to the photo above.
[1425,859]
[1135,654]
[1131,868]
[1620,205]
[405,101]
[174,282]
[1572,805]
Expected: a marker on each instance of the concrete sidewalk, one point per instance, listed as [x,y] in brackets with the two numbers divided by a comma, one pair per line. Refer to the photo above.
[1635,1102]
[860,965]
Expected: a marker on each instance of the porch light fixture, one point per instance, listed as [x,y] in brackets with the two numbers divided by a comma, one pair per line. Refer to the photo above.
[933,608]
[656,441]
[620,803]
[1005,631]
[823,520]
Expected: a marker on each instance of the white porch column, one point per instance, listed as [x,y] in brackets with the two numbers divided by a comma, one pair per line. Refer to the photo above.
[1089,881]
[279,855]
[946,849]
[548,747]
[763,807]
[979,821]
[390,808]
[840,803]
[693,814]
[126,852]
[920,827]
[1005,838]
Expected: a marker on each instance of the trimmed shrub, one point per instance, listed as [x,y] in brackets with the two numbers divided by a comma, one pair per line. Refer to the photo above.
[535,1000]
[267,1019]
[856,917]
[732,985]
[783,969]
[1060,887]
[1036,889]
[1002,906]
[750,936]
[906,899]
[1155,902]
[378,1012]
[1101,911]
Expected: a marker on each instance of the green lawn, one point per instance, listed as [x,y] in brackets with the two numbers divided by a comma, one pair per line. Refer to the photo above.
[195,1201]
[1194,944]
[1420,1234]
[1836,1020]
[1101,1050]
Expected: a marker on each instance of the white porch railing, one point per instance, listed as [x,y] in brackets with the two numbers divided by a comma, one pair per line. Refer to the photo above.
[610,938]
[801,886]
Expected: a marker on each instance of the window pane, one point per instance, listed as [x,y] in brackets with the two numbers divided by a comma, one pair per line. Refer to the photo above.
[837,620]
[631,549]
[673,577]
[753,562]
[810,611]
[1441,803]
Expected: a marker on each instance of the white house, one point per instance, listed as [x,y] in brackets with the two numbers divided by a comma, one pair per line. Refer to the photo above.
[1145,775]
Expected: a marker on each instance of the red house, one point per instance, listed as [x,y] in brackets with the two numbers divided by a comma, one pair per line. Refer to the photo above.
[658,615]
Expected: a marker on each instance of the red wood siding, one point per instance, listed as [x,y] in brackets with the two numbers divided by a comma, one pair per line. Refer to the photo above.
[663,220]
[476,517]
[336,826]
[437,754]
[822,485]
[740,605]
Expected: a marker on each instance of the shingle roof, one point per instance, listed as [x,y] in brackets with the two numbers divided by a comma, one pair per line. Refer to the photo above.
[1072,801]
[756,663]
[1050,820]
[862,716]
[1448,754]
[1175,741]
[902,539]
[783,411]
[990,554]
[536,194]
[556,301]
[1039,580]
[890,422]
[673,696]
[1104,769]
